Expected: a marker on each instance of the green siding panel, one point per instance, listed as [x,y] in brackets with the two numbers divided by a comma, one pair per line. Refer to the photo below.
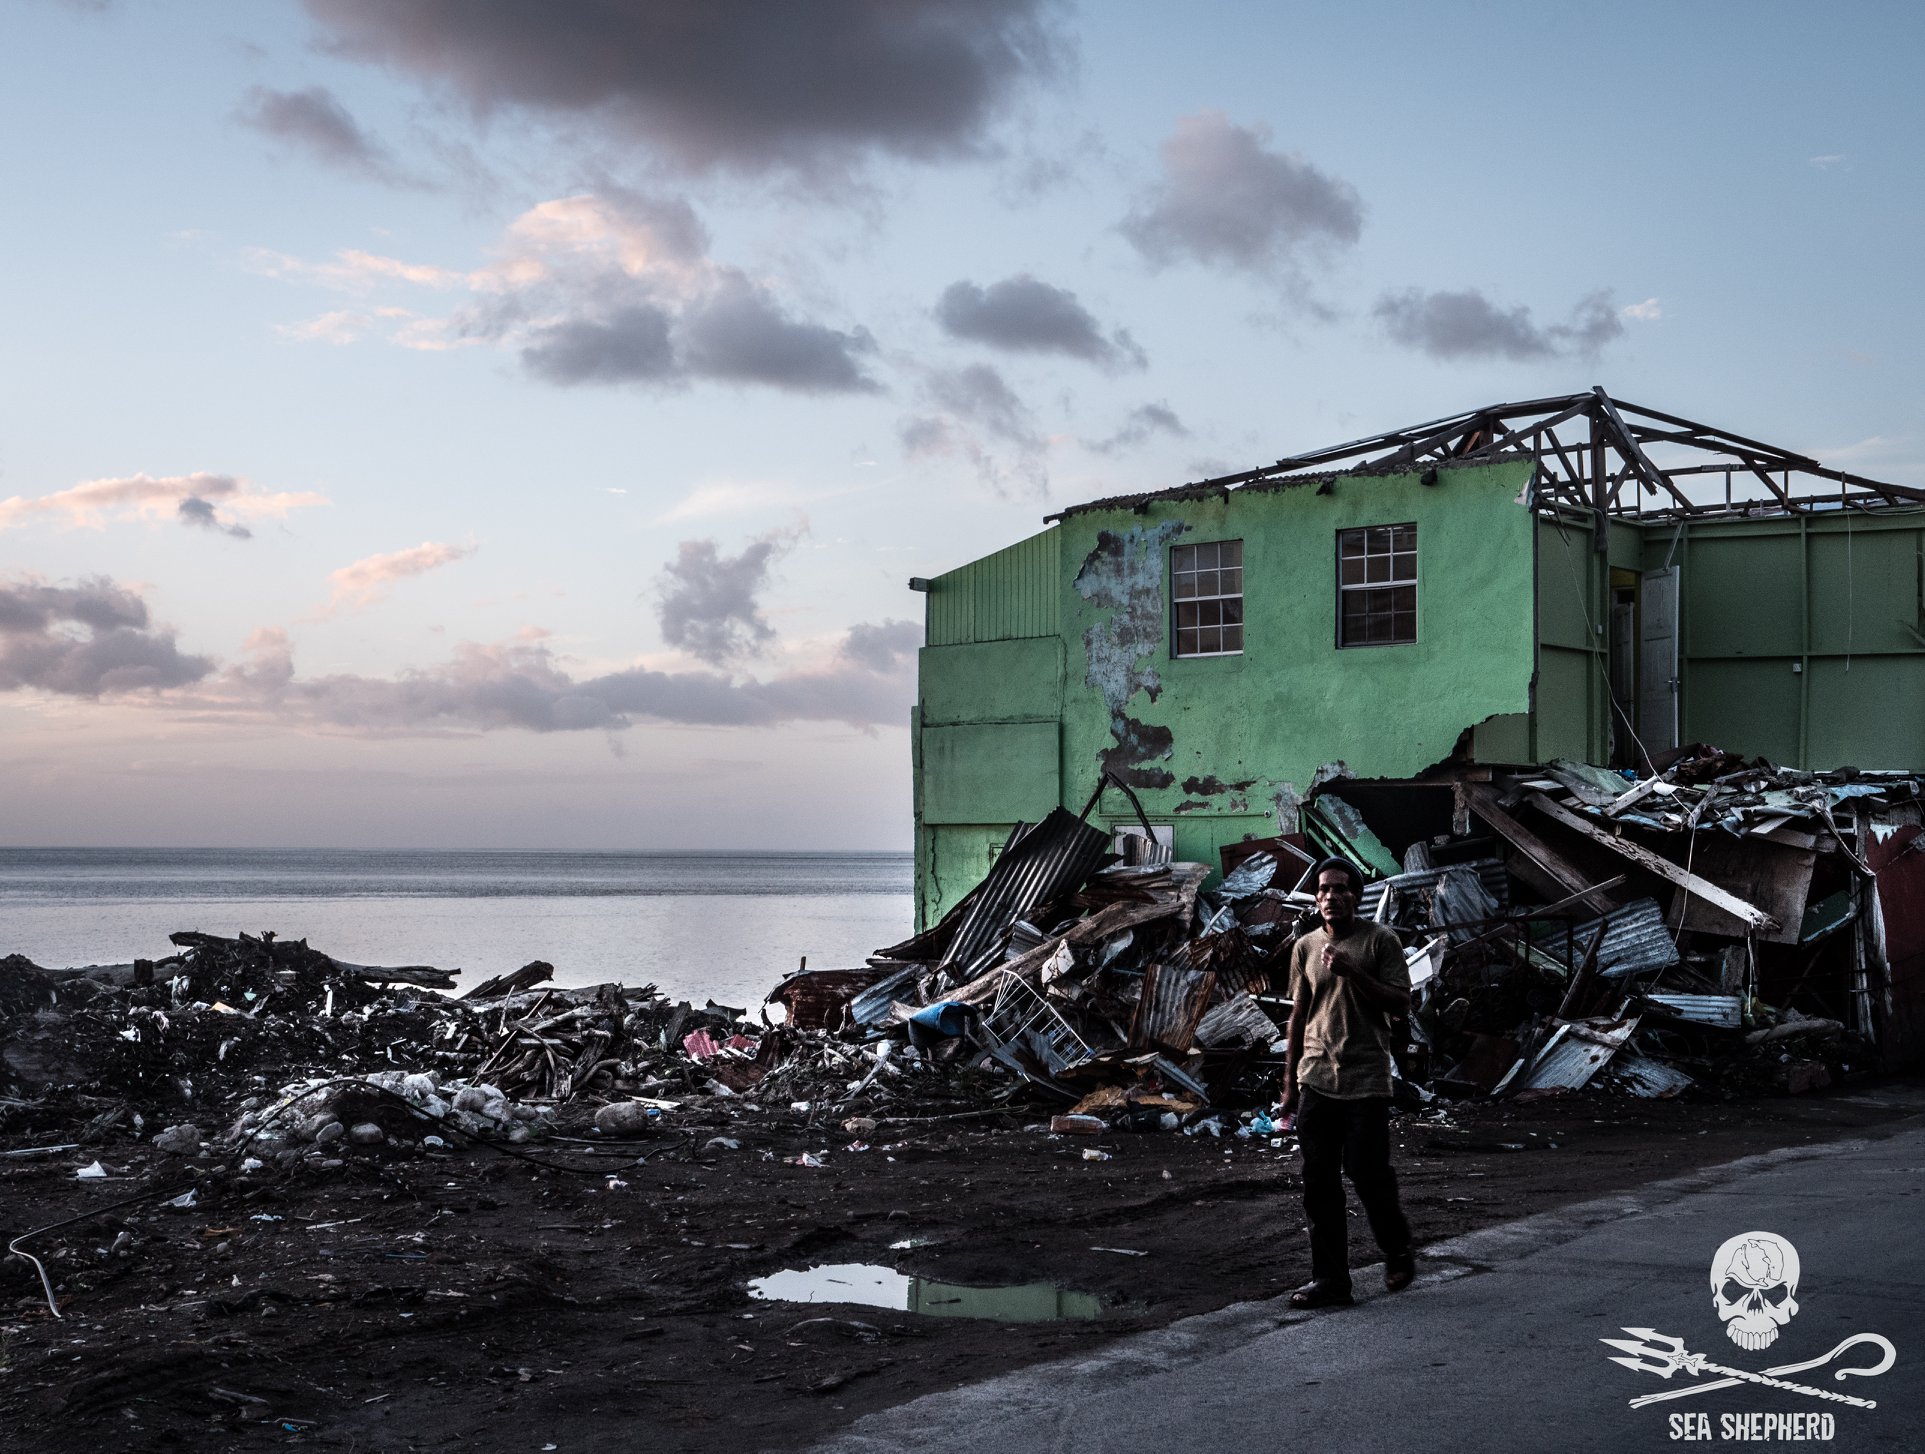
[1750,707]
[1870,716]
[1002,597]
[992,681]
[1565,704]
[1744,596]
[1866,587]
[998,773]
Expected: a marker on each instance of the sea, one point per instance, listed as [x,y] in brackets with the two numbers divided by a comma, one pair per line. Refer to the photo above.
[698,926]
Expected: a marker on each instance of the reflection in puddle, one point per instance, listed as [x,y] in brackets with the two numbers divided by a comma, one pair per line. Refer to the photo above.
[870,1286]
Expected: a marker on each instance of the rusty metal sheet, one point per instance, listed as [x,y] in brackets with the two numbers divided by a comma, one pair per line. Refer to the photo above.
[1238,1021]
[1897,860]
[1172,1001]
[818,999]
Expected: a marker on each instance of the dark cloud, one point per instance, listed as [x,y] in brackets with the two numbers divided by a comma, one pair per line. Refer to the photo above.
[1466,324]
[706,601]
[741,334]
[979,395]
[314,121]
[88,640]
[195,511]
[1142,422]
[628,344]
[725,83]
[1026,315]
[978,417]
[1227,199]
[882,646]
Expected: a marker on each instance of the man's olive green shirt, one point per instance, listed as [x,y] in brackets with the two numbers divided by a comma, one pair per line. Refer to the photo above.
[1346,1040]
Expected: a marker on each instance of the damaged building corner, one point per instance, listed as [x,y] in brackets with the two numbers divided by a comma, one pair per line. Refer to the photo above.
[1507,626]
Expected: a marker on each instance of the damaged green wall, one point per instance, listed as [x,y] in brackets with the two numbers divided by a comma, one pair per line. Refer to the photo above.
[1215,745]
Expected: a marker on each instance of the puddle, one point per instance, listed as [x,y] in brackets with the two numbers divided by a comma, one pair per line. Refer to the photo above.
[871,1286]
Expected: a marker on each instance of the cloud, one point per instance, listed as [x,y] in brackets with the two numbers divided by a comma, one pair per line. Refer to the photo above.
[368,580]
[973,412]
[87,640]
[1142,422]
[1830,159]
[1228,200]
[1646,312]
[725,84]
[1025,315]
[882,646]
[606,288]
[735,497]
[1466,324]
[92,504]
[706,601]
[199,513]
[313,121]
[521,685]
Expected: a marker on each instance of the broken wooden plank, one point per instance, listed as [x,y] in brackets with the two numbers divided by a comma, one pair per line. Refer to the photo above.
[1657,863]
[1541,857]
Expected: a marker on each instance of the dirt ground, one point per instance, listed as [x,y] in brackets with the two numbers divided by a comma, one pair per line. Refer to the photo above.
[424,1299]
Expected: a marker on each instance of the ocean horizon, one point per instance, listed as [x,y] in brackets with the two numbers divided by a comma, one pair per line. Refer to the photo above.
[700,924]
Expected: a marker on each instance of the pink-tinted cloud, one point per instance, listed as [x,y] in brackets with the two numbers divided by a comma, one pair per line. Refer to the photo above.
[200,498]
[367,581]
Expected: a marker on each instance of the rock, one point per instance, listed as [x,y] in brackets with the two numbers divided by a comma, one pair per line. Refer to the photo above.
[722,1143]
[366,1133]
[859,1125]
[418,1088]
[627,1118]
[332,1131]
[181,1140]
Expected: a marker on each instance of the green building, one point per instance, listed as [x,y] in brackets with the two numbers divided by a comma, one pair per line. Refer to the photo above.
[1573,577]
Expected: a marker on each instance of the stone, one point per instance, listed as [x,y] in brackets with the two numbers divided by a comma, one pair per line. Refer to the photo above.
[181,1140]
[366,1133]
[627,1118]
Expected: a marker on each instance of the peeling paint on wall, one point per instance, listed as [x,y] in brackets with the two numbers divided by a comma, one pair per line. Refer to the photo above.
[1124,575]
[1210,785]
[1288,801]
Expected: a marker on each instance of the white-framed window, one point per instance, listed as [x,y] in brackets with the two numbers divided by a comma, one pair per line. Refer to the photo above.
[1206,590]
[1377,586]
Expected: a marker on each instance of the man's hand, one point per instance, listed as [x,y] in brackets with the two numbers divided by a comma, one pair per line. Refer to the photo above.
[1288,1105]
[1336,961]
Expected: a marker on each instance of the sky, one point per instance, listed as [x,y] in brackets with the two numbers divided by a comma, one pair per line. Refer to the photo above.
[514,423]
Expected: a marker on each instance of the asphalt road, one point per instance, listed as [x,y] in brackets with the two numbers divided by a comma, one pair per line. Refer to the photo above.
[1496,1347]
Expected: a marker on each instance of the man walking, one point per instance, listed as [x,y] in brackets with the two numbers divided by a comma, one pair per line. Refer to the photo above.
[1348,981]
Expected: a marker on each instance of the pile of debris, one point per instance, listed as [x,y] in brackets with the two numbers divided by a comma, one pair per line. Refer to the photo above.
[1716,921]
[298,1049]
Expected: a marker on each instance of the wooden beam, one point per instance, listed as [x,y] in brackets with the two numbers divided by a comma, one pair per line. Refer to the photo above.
[1656,863]
[1539,854]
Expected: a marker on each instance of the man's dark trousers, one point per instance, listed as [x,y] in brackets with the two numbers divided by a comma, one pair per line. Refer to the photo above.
[1339,1138]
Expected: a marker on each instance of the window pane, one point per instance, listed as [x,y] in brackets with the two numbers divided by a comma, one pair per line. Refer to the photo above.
[1186,643]
[1206,583]
[1353,570]
[1233,638]
[1231,581]
[1231,553]
[1351,542]
[1379,568]
[1230,610]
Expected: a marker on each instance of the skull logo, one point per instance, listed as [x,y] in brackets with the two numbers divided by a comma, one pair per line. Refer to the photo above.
[1754,1285]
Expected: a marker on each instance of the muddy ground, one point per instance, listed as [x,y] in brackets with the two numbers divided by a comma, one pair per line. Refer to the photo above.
[420,1299]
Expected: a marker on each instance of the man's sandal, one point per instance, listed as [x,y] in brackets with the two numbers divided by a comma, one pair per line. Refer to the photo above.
[1400,1271]
[1321,1295]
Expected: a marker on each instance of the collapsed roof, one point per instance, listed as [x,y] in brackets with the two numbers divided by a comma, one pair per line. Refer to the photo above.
[1592,453]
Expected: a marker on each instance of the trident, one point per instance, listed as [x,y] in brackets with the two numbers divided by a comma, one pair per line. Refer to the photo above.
[1670,1356]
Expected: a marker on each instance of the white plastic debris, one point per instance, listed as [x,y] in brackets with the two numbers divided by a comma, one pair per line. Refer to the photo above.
[95,1172]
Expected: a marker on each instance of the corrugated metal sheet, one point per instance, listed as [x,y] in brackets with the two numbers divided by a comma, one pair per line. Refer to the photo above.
[1490,872]
[1016,592]
[1635,940]
[1638,1074]
[1575,1054]
[1172,1002]
[1723,1011]
[1057,855]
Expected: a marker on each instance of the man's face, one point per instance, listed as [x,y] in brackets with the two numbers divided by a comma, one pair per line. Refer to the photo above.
[1336,898]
